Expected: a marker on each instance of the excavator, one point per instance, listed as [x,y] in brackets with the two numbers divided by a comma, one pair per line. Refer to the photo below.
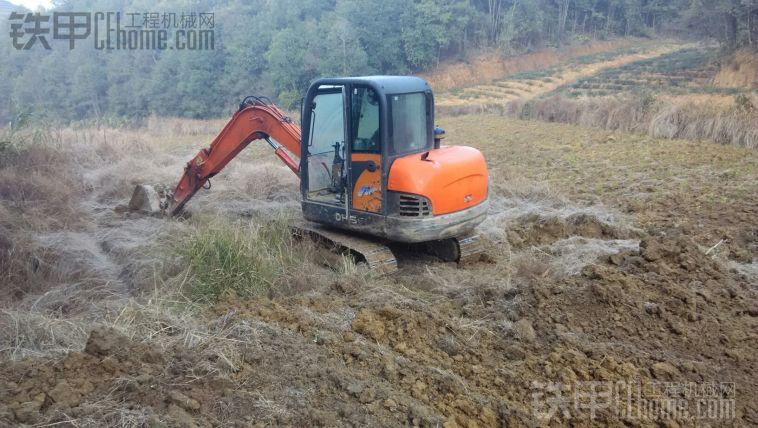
[373,172]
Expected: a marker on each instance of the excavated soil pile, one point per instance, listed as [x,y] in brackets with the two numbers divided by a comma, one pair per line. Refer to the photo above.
[426,352]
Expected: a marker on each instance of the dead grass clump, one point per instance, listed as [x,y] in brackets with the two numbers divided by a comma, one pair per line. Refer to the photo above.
[740,71]
[38,200]
[31,333]
[162,126]
[25,267]
[38,191]
[46,221]
[607,113]
[466,109]
[703,123]
[645,114]
[59,321]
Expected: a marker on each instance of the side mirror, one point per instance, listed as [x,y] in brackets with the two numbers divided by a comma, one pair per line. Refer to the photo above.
[439,135]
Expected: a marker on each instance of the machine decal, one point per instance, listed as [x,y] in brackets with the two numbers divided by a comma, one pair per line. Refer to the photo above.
[366,191]
[367,184]
[341,217]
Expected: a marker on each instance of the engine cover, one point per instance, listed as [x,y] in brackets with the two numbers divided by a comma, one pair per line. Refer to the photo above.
[452,178]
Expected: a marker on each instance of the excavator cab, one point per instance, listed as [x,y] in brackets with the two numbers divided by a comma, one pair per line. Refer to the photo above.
[370,162]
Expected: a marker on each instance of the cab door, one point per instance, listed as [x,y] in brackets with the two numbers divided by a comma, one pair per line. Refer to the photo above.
[326,151]
[365,141]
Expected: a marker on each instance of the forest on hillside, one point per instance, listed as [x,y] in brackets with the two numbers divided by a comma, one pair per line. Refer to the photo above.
[276,48]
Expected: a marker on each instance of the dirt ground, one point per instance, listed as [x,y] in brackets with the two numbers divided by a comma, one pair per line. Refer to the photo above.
[615,261]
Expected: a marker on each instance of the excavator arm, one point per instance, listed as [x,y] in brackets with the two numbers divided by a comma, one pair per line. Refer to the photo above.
[256,119]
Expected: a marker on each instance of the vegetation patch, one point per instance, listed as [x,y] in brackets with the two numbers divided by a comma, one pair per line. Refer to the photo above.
[689,70]
[241,258]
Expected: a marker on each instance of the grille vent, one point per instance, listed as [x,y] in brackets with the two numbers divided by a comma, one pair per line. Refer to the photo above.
[414,206]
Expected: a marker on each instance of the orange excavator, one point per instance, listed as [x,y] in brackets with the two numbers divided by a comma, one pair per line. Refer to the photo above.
[372,170]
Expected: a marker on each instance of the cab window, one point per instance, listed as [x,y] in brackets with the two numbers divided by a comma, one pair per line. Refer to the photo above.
[411,123]
[365,121]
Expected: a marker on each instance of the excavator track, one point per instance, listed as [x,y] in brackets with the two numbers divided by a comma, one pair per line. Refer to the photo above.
[461,249]
[373,251]
[380,258]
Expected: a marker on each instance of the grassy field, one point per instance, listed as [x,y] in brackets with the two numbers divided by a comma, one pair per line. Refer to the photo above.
[639,175]
[612,257]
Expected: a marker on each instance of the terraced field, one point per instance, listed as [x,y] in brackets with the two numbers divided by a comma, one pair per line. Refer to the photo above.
[685,71]
[532,84]
[673,91]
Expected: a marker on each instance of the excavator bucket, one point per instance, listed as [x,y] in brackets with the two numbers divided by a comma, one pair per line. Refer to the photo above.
[147,199]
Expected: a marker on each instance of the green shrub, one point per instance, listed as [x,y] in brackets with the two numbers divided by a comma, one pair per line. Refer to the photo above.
[245,259]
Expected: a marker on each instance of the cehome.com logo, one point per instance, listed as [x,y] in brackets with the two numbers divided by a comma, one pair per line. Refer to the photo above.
[115,30]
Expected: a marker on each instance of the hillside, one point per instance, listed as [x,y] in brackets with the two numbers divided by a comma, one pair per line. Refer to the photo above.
[670,90]
[273,50]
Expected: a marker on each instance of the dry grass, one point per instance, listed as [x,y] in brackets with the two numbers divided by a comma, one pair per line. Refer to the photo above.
[635,174]
[136,274]
[673,118]
[69,262]
[740,71]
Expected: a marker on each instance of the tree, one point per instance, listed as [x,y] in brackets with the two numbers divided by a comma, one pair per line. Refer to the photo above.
[89,90]
[338,52]
[424,32]
[523,25]
[562,16]
[378,27]
[267,47]
[287,58]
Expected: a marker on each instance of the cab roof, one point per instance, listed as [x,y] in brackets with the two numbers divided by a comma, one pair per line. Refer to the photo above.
[387,84]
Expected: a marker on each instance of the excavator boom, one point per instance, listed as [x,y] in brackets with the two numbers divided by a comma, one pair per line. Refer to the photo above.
[256,119]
